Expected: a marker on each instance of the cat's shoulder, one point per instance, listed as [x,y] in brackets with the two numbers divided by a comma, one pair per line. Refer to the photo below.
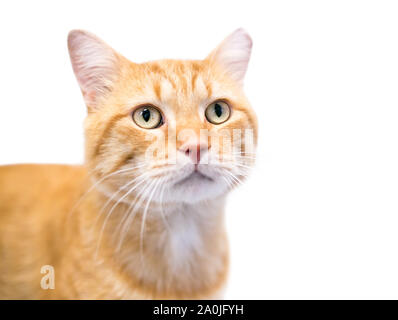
[39,177]
[40,170]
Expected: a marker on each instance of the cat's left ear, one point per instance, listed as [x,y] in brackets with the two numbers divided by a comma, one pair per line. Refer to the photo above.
[95,64]
[233,54]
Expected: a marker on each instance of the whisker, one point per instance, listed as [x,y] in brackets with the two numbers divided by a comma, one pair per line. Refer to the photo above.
[166,224]
[133,203]
[244,157]
[236,179]
[131,212]
[114,195]
[144,219]
[97,183]
[143,176]
[243,166]
[230,185]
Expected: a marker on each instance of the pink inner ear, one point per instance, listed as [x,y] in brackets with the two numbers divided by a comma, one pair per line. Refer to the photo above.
[234,54]
[89,97]
[94,64]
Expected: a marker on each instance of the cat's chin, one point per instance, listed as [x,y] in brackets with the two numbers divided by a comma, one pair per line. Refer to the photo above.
[194,178]
[196,187]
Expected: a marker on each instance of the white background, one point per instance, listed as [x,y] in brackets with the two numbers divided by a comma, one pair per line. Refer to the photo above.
[319,217]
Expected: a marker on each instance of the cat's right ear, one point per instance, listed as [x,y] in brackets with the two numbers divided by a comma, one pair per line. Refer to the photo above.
[95,64]
[233,54]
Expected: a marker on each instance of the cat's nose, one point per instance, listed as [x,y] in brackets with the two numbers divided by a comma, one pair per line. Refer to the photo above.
[194,151]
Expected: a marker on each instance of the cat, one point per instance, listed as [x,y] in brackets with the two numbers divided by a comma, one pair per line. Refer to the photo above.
[129,223]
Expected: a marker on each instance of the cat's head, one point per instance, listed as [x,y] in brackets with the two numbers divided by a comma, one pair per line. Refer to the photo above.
[167,130]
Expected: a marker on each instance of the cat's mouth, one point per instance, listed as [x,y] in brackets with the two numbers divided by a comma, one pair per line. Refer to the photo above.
[194,176]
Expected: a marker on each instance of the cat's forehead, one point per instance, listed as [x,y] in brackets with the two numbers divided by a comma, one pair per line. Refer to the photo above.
[178,82]
[174,79]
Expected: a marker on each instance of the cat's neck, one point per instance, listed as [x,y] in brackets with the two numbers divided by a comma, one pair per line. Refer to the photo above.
[177,249]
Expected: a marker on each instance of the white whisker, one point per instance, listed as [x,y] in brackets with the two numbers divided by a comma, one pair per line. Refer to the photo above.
[166,224]
[97,183]
[157,181]
[131,212]
[143,176]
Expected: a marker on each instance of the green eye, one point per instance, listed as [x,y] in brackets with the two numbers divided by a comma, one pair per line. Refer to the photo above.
[147,117]
[217,112]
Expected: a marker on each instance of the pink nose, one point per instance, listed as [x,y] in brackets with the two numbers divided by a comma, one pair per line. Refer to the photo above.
[194,151]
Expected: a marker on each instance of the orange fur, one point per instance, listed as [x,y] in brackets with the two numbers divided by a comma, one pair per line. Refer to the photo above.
[52,214]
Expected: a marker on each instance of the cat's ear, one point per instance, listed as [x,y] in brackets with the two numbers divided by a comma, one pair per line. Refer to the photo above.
[233,54]
[95,64]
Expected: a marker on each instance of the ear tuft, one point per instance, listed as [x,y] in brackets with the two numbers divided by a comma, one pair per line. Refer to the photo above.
[234,54]
[94,63]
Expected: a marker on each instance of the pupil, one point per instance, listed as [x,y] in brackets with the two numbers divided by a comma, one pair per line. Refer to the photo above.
[146,114]
[218,110]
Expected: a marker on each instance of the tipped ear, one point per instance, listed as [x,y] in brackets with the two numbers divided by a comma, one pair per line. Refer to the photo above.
[95,64]
[233,54]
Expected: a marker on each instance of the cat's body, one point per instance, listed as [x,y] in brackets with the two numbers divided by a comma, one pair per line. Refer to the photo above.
[42,228]
[132,224]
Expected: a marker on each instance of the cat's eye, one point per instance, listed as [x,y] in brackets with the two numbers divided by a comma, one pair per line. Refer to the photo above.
[147,117]
[218,112]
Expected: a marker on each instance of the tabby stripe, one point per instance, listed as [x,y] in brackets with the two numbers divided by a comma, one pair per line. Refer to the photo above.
[111,123]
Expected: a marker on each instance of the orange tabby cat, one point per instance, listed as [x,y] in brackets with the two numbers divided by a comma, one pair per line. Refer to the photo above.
[133,223]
